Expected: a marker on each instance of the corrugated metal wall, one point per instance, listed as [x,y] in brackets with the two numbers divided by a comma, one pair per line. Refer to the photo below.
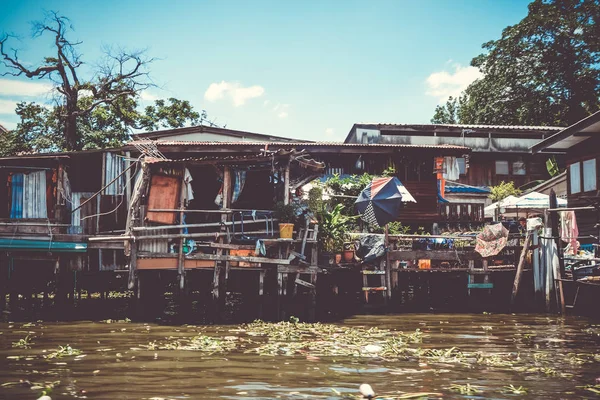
[157,245]
[114,165]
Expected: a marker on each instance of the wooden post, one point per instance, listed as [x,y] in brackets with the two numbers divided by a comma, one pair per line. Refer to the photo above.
[286,185]
[554,217]
[261,292]
[388,266]
[132,264]
[535,242]
[520,269]
[312,309]
[279,291]
[548,277]
[128,177]
[180,255]
[216,288]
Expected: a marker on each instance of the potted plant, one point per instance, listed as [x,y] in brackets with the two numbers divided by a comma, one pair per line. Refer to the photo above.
[286,216]
[333,226]
[348,254]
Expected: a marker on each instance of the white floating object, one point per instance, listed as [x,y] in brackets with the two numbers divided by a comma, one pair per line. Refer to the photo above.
[373,348]
[366,390]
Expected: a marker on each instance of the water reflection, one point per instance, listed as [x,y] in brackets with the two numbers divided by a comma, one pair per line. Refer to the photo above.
[556,358]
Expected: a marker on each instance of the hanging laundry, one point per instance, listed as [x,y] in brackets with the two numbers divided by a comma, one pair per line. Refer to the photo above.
[239,180]
[451,169]
[238,186]
[16,187]
[187,192]
[569,231]
[441,186]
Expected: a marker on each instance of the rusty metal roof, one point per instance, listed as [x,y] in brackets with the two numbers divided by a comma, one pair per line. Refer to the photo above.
[308,144]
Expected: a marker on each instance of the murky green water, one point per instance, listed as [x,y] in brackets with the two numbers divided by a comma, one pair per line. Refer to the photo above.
[548,356]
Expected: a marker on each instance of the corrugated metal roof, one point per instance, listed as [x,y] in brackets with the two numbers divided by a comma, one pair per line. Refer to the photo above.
[215,130]
[456,187]
[470,126]
[466,189]
[222,158]
[307,144]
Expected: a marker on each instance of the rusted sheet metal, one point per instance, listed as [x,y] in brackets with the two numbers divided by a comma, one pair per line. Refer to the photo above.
[164,194]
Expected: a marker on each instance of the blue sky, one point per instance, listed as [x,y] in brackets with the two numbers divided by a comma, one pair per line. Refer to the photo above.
[306,69]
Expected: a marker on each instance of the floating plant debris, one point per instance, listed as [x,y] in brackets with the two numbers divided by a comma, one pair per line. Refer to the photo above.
[63,351]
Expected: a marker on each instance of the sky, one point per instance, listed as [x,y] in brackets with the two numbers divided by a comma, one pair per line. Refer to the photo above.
[303,69]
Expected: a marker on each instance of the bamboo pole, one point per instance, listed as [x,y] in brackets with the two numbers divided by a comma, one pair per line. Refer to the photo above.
[205,225]
[222,211]
[167,236]
[520,268]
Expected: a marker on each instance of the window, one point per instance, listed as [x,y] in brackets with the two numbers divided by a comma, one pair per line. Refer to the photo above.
[501,167]
[575,177]
[589,175]
[28,195]
[461,165]
[518,168]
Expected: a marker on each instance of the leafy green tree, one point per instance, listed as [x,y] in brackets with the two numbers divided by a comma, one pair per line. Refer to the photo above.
[174,114]
[545,70]
[447,113]
[503,190]
[109,125]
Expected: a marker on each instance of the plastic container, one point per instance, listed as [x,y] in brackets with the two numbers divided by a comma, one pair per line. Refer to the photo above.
[424,264]
[286,231]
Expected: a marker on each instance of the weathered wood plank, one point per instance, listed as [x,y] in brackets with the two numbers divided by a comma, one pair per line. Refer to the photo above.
[448,255]
[216,257]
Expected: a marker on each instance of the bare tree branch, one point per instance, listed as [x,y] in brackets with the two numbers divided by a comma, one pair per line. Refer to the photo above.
[122,75]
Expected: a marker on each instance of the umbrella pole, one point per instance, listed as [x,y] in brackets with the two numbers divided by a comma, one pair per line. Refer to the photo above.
[388,267]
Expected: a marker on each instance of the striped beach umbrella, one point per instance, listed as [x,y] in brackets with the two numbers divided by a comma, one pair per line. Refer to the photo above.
[380,202]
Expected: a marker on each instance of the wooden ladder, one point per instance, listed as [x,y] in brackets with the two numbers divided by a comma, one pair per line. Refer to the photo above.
[474,272]
[377,287]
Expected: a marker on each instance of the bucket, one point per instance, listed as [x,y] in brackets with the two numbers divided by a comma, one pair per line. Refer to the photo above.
[424,264]
[286,231]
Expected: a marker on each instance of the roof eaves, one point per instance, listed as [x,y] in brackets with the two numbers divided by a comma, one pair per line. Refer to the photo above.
[310,144]
[566,132]
[211,129]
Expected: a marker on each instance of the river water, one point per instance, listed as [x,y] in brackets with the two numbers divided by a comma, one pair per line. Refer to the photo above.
[548,356]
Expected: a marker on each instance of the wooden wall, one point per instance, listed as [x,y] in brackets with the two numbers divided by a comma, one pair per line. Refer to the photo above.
[482,169]
[585,219]
[426,208]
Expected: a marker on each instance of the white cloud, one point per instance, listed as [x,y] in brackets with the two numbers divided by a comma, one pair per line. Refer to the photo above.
[443,84]
[329,132]
[282,110]
[11,87]
[266,103]
[7,106]
[234,91]
[147,96]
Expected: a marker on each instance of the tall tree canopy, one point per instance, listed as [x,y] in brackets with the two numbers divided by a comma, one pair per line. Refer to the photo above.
[94,107]
[545,70]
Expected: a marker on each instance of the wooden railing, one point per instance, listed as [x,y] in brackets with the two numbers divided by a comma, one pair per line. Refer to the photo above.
[467,212]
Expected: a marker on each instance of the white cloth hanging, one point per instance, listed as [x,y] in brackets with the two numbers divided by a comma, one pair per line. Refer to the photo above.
[34,195]
[188,192]
[451,168]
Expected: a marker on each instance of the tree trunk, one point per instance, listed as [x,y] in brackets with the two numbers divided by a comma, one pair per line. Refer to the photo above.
[71,141]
